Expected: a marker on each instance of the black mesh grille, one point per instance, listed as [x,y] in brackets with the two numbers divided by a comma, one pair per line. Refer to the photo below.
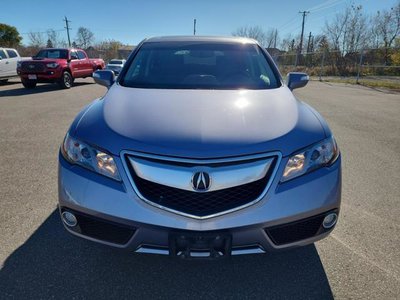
[201,204]
[32,67]
[102,229]
[295,231]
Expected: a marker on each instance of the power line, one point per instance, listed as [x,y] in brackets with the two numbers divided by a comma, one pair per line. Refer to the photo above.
[39,32]
[326,5]
[68,29]
[288,23]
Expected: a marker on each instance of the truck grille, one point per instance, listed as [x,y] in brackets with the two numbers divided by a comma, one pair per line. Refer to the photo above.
[202,204]
[32,67]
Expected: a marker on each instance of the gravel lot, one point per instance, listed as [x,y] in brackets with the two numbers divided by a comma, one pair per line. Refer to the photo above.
[38,259]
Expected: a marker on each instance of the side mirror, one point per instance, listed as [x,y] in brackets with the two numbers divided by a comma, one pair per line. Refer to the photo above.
[104,77]
[297,80]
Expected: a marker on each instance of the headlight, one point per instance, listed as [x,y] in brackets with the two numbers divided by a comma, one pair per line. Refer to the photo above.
[80,153]
[52,65]
[316,156]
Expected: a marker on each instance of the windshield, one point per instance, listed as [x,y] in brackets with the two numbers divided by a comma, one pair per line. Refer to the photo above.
[200,65]
[115,62]
[53,53]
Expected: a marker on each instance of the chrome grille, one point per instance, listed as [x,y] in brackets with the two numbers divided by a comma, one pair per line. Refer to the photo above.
[178,198]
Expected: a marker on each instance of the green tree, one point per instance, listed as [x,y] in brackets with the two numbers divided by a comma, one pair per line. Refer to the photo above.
[49,44]
[9,36]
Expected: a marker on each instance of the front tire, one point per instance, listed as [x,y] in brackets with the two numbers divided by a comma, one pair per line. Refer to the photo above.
[66,80]
[29,84]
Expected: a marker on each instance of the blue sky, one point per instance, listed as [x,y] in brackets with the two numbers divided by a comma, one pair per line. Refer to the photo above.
[131,21]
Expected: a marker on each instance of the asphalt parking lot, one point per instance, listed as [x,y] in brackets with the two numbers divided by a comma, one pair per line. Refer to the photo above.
[38,259]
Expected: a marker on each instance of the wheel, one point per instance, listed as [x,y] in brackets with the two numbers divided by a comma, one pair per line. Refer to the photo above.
[29,84]
[66,80]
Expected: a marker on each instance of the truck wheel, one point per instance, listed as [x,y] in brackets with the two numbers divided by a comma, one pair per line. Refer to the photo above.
[29,84]
[66,80]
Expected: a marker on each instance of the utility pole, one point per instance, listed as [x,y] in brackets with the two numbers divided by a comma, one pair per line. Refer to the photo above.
[300,47]
[68,29]
[304,13]
[194,27]
[309,43]
[275,37]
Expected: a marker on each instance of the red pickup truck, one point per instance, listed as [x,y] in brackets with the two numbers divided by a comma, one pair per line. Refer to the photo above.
[57,65]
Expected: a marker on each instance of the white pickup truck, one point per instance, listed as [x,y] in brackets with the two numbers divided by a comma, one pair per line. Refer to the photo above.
[8,63]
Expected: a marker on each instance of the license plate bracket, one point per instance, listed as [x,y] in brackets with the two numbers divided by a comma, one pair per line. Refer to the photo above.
[194,245]
[32,76]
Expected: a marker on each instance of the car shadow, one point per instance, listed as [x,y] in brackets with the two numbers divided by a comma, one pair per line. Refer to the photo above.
[54,264]
[41,88]
[9,82]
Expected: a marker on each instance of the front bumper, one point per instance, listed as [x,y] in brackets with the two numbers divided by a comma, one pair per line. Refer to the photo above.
[47,76]
[149,229]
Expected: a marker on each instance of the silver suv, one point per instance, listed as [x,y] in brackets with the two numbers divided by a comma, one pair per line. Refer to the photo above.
[199,149]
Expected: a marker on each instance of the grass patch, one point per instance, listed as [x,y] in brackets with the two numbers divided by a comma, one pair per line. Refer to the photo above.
[392,85]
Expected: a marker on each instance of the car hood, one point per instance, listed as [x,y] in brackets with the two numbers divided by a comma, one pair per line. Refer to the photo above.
[40,61]
[198,123]
[47,60]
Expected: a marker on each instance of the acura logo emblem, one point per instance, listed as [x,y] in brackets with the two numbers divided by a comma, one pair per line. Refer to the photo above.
[201,181]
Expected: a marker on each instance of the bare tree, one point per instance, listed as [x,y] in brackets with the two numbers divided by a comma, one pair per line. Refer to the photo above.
[336,30]
[272,38]
[54,38]
[348,31]
[254,32]
[286,42]
[36,39]
[357,30]
[108,48]
[84,37]
[347,34]
[387,28]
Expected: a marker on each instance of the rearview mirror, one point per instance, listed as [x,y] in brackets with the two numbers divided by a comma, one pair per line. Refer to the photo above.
[297,80]
[104,77]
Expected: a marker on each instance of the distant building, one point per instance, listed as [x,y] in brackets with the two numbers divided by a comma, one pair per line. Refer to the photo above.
[94,53]
[275,51]
[106,54]
[124,51]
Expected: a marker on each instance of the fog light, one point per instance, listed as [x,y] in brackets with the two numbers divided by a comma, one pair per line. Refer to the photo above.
[69,219]
[330,220]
